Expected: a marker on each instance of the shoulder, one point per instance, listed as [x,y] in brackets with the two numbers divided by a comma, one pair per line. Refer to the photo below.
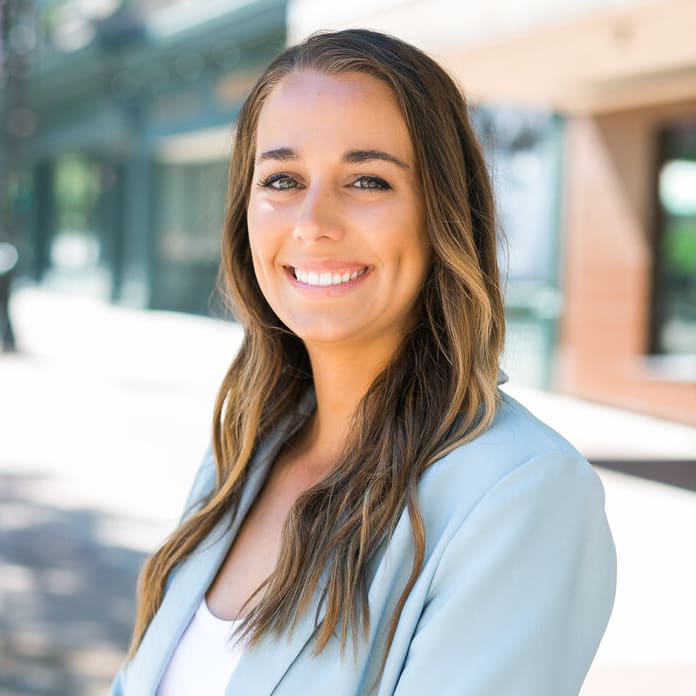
[519,456]
[203,484]
[520,567]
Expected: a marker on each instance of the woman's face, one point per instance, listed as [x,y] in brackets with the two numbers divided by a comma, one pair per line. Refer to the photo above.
[335,217]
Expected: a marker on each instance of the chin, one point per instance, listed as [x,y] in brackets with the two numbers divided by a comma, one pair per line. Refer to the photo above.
[325,336]
[324,331]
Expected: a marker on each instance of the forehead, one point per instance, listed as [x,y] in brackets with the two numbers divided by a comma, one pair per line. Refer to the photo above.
[350,109]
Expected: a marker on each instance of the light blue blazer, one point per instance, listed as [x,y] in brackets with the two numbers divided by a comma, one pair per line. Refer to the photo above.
[514,596]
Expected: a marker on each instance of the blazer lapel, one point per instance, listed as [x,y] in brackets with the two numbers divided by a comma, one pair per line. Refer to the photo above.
[194,576]
[261,668]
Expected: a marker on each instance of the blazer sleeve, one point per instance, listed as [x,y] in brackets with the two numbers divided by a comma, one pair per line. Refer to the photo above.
[523,590]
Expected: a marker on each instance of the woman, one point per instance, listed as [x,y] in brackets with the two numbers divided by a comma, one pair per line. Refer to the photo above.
[375,515]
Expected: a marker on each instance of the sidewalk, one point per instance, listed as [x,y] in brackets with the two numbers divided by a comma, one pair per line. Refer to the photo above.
[102,396]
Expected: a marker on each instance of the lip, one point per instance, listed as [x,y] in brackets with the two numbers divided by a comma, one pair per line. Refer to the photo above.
[326,266]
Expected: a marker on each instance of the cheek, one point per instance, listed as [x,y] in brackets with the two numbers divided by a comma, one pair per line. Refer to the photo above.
[261,251]
[415,259]
[407,243]
[263,234]
[256,222]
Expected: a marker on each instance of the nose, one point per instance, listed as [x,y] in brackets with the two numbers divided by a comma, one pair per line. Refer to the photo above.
[319,215]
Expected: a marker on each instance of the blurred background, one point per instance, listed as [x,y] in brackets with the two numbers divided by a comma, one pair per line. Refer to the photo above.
[115,126]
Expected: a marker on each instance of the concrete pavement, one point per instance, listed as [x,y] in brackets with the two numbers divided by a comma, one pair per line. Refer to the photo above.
[101,397]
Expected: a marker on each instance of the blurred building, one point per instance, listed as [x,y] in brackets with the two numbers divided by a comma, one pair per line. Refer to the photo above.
[608,270]
[118,118]
[124,119]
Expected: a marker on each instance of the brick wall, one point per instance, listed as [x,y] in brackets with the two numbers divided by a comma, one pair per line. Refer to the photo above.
[607,256]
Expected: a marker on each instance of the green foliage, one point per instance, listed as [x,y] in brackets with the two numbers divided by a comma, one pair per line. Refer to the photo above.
[680,245]
[77,188]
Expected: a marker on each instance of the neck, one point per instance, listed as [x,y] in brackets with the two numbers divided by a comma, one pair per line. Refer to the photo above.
[341,379]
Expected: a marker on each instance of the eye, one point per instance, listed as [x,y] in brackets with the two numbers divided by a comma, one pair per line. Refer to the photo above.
[279,182]
[371,183]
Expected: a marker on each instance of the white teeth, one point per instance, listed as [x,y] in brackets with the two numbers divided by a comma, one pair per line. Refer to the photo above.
[325,278]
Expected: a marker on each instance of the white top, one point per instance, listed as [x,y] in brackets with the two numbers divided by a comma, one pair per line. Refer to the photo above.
[204,658]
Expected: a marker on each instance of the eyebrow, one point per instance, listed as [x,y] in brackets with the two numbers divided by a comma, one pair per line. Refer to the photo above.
[358,156]
[281,154]
[286,154]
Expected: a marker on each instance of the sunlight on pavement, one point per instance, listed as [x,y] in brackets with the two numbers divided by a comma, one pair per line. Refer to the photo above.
[106,415]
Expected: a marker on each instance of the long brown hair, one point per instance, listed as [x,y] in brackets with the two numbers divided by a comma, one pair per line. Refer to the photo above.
[438,391]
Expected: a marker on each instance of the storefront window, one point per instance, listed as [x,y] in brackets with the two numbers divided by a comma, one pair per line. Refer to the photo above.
[192,211]
[675,261]
[523,149]
[75,246]
[188,223]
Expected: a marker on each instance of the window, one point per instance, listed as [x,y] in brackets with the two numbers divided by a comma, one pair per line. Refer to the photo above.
[674,292]
[523,150]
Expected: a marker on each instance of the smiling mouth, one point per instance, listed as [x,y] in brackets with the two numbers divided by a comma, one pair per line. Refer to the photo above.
[326,278]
